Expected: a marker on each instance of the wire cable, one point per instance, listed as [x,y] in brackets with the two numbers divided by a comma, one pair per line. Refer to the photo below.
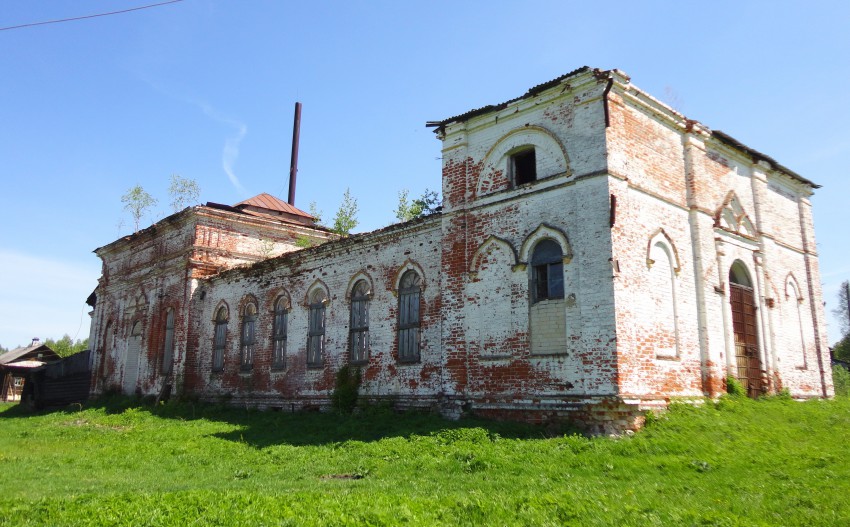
[31,24]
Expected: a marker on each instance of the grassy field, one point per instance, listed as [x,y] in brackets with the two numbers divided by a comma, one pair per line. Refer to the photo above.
[735,462]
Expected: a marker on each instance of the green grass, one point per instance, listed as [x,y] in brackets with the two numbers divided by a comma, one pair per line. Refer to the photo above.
[736,462]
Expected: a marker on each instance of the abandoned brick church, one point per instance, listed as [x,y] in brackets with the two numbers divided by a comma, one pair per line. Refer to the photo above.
[597,254]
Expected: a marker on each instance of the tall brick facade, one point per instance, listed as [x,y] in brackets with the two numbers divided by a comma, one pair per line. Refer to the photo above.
[597,254]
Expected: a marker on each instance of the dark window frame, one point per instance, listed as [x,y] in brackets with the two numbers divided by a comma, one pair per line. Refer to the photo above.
[219,339]
[409,317]
[358,339]
[279,333]
[248,337]
[547,271]
[316,329]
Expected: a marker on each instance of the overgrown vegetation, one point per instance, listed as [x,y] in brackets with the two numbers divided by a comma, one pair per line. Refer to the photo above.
[734,387]
[346,389]
[426,204]
[736,462]
[841,380]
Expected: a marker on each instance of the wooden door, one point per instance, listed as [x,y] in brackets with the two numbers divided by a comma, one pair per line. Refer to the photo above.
[746,338]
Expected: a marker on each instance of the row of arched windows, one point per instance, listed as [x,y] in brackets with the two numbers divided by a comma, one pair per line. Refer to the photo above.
[408,325]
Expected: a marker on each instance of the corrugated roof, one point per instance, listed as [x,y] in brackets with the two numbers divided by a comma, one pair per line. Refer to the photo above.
[490,107]
[267,201]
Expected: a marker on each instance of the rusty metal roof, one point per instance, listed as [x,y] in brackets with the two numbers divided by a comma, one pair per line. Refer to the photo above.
[269,202]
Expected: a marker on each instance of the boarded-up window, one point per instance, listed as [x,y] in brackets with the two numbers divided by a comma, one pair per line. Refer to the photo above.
[316,329]
[547,271]
[168,346]
[281,308]
[409,294]
[359,332]
[219,339]
[248,337]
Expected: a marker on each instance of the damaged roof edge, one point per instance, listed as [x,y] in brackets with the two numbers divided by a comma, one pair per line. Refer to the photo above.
[758,156]
[721,136]
[491,107]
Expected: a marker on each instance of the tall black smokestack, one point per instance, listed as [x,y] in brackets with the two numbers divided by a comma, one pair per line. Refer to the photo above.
[293,164]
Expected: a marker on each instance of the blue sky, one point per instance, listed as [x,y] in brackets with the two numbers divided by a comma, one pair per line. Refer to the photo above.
[206,88]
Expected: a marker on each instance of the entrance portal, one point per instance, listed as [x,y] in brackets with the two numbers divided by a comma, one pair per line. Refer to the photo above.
[742,299]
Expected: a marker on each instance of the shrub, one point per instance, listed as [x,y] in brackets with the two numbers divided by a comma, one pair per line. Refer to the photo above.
[841,380]
[346,390]
[734,387]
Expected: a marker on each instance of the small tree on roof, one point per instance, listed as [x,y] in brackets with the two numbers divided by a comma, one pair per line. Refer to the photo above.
[137,201]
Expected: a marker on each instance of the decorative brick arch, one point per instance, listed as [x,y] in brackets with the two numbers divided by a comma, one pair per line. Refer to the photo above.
[224,304]
[360,275]
[317,284]
[492,242]
[543,232]
[792,280]
[664,239]
[494,174]
[407,266]
[732,217]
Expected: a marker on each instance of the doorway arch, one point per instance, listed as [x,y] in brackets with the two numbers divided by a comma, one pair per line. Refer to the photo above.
[744,329]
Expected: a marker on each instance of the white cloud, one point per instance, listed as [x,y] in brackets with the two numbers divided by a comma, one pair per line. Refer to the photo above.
[230,152]
[43,297]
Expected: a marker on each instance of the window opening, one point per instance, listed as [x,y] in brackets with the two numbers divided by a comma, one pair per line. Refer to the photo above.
[279,333]
[547,271]
[316,333]
[359,338]
[524,166]
[219,340]
[249,337]
[410,291]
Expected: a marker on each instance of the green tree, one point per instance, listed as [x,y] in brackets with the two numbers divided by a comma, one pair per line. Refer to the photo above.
[316,213]
[424,205]
[136,201]
[183,191]
[842,310]
[346,217]
[66,345]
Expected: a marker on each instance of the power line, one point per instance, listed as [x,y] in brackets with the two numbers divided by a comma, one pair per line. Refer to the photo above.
[31,24]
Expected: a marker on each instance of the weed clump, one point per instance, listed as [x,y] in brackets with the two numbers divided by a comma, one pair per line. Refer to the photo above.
[734,387]
[346,389]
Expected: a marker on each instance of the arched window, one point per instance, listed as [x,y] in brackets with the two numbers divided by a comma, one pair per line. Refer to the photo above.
[248,337]
[316,329]
[547,271]
[409,293]
[281,310]
[168,346]
[219,339]
[359,332]
[524,166]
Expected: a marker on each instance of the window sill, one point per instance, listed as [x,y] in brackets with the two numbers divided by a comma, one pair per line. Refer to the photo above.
[315,366]
[246,369]
[546,355]
[278,368]
[409,361]
[363,362]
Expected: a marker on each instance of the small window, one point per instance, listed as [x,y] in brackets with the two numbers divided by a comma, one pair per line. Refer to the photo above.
[281,310]
[524,167]
[547,271]
[409,293]
[248,337]
[168,345]
[219,339]
[359,332]
[316,329]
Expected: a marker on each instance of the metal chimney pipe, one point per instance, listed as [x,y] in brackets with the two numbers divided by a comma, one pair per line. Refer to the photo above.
[293,164]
